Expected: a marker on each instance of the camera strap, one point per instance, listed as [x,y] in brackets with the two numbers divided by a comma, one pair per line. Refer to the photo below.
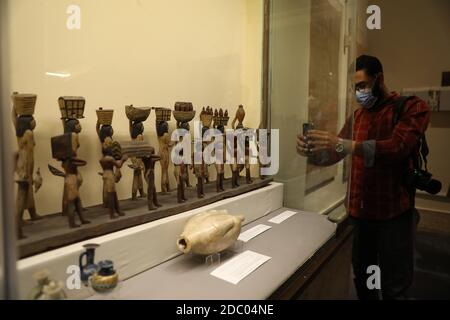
[418,158]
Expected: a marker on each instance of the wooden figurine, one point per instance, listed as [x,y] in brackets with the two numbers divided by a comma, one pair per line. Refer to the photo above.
[199,170]
[105,133]
[184,112]
[149,163]
[220,121]
[240,116]
[145,152]
[72,109]
[162,130]
[235,167]
[64,149]
[248,177]
[72,199]
[104,127]
[180,172]
[136,117]
[112,159]
[24,123]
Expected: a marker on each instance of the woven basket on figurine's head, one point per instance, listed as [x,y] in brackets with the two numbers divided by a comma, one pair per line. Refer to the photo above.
[137,114]
[24,104]
[105,117]
[183,106]
[163,114]
[184,116]
[221,121]
[72,107]
[206,119]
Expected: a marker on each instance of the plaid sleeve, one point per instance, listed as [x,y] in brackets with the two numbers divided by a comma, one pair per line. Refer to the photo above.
[331,157]
[411,126]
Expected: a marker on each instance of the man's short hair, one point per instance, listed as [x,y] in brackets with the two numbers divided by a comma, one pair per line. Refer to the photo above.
[371,65]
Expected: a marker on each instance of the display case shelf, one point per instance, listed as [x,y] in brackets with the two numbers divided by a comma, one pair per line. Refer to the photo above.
[52,232]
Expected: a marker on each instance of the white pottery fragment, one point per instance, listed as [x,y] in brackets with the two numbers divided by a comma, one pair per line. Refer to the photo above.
[210,232]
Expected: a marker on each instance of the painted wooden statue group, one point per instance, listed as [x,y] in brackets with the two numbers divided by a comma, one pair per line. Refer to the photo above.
[142,156]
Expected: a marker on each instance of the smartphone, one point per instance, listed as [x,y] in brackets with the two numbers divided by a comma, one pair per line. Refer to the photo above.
[306,128]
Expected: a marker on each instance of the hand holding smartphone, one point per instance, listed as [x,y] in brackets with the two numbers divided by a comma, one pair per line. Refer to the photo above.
[306,128]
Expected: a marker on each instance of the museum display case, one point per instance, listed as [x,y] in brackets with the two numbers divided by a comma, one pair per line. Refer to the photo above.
[139,132]
[312,47]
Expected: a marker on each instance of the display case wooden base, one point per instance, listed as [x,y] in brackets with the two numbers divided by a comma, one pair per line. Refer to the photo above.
[52,232]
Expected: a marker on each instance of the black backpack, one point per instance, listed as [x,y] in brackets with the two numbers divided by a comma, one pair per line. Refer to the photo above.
[419,159]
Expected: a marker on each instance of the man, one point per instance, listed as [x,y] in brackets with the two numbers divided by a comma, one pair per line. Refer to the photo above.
[379,202]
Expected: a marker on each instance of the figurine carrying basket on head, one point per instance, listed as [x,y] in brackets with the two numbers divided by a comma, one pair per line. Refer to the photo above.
[112,159]
[184,112]
[163,115]
[105,133]
[72,110]
[136,117]
[220,121]
[24,123]
[236,167]
[64,149]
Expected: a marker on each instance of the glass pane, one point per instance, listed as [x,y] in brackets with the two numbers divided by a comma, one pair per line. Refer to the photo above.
[110,54]
[310,84]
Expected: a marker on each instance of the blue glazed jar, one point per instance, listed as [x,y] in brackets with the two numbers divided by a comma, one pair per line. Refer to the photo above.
[106,278]
[89,268]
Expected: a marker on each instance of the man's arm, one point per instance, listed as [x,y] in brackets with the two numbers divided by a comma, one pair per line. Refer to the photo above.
[406,135]
[398,147]
[323,145]
[411,126]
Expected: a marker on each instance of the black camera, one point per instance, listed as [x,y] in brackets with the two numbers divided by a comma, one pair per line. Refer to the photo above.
[422,180]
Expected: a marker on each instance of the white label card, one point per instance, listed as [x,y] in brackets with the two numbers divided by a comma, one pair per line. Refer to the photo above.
[282,217]
[246,236]
[239,267]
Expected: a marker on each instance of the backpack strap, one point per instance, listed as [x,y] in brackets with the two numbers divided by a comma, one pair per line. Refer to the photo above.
[399,107]
[417,158]
[424,150]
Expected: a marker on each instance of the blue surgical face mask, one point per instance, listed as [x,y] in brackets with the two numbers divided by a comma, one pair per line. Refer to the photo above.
[366,98]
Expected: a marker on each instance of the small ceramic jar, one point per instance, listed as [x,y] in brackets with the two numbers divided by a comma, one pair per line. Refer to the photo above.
[106,278]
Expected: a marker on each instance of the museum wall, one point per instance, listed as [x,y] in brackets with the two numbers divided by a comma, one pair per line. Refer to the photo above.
[414,46]
[140,52]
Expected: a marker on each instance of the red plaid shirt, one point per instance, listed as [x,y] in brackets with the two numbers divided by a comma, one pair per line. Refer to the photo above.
[376,190]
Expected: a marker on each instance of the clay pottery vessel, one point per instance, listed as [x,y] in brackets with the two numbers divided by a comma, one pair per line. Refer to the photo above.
[106,278]
[89,268]
[210,232]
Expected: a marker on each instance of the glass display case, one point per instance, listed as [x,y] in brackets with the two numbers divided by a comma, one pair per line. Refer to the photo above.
[311,82]
[96,89]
